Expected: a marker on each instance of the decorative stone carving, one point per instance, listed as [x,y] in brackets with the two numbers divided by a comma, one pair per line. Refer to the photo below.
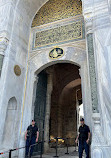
[89,24]
[68,32]
[97,137]
[56,53]
[88,16]
[57,10]
[92,73]
[3,45]
[17,70]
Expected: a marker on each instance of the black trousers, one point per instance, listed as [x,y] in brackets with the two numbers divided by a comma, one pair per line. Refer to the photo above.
[28,144]
[83,146]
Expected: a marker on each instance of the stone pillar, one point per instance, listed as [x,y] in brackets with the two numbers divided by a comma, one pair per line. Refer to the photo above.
[60,120]
[3,47]
[98,139]
[77,111]
[48,108]
[34,94]
[97,135]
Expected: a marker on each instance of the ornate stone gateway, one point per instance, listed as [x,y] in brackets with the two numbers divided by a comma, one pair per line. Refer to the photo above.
[56,23]
[50,33]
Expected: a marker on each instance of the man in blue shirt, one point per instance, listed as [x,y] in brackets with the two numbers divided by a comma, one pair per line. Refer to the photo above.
[84,137]
[31,137]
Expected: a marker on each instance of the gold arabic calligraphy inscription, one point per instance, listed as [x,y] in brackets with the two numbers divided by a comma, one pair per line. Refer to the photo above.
[55,10]
[60,34]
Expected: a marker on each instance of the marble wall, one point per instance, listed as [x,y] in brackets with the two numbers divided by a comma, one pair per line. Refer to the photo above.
[15,26]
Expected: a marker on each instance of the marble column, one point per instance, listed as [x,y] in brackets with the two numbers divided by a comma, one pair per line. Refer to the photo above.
[97,134]
[77,111]
[48,108]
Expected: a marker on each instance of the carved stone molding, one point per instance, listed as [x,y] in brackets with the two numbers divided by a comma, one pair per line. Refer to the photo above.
[36,78]
[97,137]
[3,44]
[80,72]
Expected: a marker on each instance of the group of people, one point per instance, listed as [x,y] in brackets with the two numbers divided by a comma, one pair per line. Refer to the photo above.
[32,135]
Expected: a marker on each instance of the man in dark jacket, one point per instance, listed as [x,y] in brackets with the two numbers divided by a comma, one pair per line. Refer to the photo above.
[31,137]
[84,137]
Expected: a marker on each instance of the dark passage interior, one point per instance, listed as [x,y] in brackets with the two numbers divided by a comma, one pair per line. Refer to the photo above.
[66,92]
[66,96]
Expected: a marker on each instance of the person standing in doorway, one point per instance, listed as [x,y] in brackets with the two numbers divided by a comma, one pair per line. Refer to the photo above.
[31,137]
[84,138]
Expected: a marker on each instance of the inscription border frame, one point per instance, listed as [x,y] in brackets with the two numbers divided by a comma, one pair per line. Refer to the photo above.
[57,25]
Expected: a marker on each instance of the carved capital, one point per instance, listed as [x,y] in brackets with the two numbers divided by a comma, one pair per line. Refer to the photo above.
[88,17]
[89,24]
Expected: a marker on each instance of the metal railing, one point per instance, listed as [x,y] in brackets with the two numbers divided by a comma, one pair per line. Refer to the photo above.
[41,153]
[67,145]
[10,151]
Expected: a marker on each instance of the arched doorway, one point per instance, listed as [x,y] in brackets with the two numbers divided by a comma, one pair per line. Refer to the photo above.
[55,108]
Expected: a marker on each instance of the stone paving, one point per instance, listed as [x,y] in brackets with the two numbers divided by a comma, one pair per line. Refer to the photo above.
[61,153]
